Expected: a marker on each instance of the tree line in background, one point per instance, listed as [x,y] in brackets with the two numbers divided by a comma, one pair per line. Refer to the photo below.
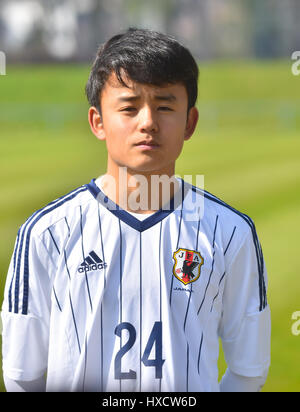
[71,30]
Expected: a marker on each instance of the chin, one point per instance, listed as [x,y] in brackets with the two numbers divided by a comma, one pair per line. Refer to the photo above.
[143,169]
[147,166]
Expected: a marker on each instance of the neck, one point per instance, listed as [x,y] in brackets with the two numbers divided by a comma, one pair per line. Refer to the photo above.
[140,192]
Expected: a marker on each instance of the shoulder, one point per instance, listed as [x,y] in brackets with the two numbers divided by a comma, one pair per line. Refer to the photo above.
[60,208]
[229,225]
[214,207]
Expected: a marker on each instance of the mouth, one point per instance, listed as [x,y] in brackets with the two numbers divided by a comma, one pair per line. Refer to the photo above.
[147,145]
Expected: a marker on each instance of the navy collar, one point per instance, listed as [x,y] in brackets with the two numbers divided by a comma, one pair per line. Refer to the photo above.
[139,225]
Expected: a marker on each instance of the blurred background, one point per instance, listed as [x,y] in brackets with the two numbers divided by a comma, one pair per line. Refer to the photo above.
[247,143]
[36,30]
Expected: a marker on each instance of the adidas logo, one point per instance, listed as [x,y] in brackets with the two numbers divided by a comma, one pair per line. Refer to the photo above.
[91,262]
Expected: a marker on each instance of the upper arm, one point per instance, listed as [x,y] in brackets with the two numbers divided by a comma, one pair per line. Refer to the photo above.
[26,309]
[245,324]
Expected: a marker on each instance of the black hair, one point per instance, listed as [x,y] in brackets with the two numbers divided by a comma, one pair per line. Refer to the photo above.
[146,57]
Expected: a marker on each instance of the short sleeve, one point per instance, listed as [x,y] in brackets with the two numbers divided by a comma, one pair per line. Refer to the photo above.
[26,309]
[245,326]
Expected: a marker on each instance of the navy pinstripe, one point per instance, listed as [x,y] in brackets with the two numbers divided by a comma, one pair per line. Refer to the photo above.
[101,310]
[83,255]
[212,266]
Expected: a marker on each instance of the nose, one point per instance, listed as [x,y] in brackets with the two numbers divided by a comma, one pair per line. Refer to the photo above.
[147,120]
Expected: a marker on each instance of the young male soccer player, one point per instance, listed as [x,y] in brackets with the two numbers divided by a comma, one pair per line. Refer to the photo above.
[105,296]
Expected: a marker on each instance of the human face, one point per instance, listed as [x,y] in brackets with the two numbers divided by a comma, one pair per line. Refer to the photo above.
[144,126]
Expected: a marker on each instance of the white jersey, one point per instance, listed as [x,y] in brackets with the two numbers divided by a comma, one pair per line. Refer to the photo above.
[102,301]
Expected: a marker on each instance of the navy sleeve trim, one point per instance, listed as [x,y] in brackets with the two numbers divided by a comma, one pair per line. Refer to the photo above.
[21,253]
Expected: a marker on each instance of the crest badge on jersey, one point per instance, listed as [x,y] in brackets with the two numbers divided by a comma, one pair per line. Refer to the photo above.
[187,266]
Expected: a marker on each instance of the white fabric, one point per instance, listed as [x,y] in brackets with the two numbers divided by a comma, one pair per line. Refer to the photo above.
[96,298]
[231,382]
[37,385]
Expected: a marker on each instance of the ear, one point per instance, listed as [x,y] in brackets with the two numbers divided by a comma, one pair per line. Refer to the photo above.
[96,123]
[191,123]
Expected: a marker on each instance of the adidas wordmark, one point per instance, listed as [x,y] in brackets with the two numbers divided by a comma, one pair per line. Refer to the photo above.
[91,263]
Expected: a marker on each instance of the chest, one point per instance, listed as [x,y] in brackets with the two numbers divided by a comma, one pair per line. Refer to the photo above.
[172,266]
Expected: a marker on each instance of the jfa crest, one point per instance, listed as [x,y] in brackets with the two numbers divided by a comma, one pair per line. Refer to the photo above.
[187,265]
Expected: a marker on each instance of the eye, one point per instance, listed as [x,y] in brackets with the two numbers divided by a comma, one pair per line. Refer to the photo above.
[165,109]
[129,109]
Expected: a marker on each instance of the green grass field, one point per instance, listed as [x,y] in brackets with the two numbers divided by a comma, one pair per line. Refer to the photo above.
[247,145]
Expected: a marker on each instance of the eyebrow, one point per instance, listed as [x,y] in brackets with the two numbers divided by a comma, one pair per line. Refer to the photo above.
[167,97]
